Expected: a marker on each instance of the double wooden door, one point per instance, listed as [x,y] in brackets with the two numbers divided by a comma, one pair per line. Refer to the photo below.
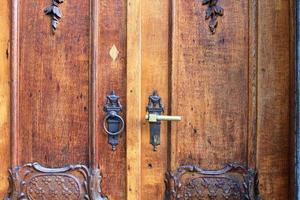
[71,69]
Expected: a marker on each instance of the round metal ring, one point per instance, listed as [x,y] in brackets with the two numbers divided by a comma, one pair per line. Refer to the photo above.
[113,115]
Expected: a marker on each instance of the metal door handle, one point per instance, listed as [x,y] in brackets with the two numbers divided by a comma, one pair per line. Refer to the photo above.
[154,117]
[113,123]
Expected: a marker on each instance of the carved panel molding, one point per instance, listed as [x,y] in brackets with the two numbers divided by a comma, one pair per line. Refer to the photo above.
[73,182]
[233,182]
[213,11]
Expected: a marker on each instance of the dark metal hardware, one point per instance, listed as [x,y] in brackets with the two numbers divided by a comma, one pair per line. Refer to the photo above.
[113,123]
[213,12]
[155,109]
[54,11]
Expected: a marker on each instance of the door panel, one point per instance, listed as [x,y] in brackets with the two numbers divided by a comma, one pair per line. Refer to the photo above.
[53,85]
[210,86]
[230,83]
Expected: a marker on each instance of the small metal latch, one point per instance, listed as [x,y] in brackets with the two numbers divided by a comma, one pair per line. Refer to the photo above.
[155,109]
[113,123]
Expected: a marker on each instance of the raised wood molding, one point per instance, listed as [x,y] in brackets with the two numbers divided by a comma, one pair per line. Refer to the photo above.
[87,177]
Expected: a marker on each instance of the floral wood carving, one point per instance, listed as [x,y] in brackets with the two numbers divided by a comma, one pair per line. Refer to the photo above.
[213,12]
[233,182]
[54,12]
[73,182]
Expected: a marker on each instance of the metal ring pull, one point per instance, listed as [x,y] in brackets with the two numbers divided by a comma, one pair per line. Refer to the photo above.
[113,123]
[111,115]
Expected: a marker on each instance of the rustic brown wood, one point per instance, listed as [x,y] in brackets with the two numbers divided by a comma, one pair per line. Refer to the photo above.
[4,95]
[53,85]
[14,126]
[210,87]
[111,73]
[155,73]
[252,85]
[93,110]
[232,88]
[292,153]
[273,99]
[133,115]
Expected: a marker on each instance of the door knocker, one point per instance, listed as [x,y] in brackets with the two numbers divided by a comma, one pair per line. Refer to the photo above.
[113,123]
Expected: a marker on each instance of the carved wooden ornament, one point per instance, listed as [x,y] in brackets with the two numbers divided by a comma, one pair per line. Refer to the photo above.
[73,182]
[233,182]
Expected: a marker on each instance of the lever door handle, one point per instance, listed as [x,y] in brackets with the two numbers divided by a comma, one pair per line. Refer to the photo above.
[155,117]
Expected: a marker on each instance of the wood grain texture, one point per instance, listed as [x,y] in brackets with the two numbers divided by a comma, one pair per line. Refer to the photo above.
[252,85]
[111,75]
[210,86]
[273,99]
[4,95]
[134,106]
[292,19]
[53,84]
[155,76]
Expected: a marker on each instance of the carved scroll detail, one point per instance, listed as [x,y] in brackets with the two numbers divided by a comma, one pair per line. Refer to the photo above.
[233,182]
[73,182]
[54,12]
[213,12]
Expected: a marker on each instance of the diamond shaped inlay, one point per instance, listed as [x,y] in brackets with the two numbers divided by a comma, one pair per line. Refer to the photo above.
[114,52]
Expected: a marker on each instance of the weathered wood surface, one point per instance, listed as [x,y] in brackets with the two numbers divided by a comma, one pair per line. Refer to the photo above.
[210,86]
[155,73]
[4,95]
[111,75]
[273,125]
[134,117]
[233,89]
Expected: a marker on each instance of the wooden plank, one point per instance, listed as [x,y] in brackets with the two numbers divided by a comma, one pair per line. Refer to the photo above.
[4,95]
[273,125]
[252,116]
[210,85]
[292,19]
[14,83]
[155,75]
[111,73]
[54,84]
[133,139]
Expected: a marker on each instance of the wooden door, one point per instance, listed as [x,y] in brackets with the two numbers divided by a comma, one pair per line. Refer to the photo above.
[225,67]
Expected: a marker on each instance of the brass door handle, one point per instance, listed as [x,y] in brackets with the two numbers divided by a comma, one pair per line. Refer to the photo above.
[155,117]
